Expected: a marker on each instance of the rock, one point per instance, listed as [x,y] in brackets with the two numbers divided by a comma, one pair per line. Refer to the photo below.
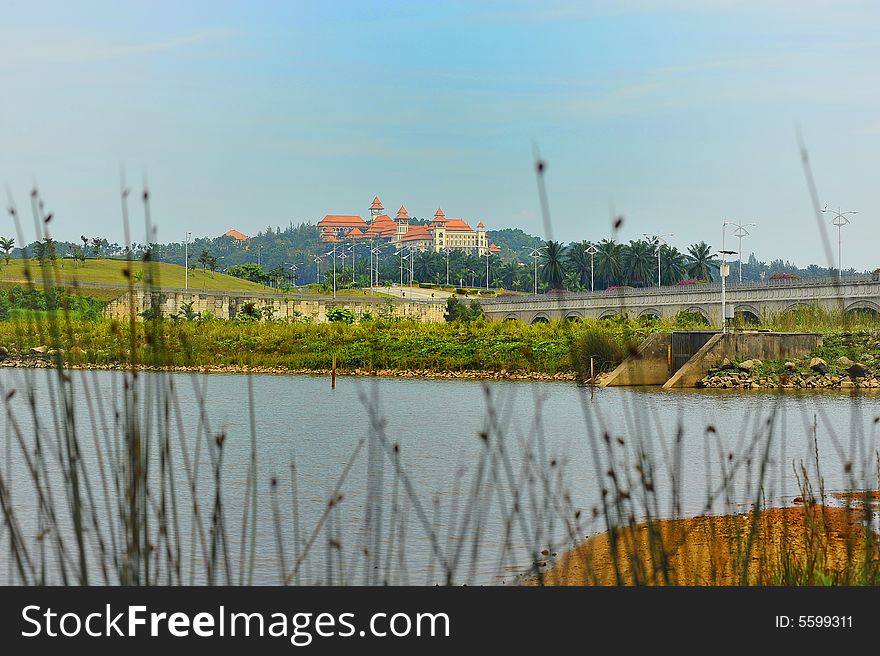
[4,352]
[726,364]
[847,384]
[748,365]
[39,350]
[857,370]
[819,365]
[790,366]
[845,362]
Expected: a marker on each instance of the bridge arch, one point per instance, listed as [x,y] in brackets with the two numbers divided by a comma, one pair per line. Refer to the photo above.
[511,317]
[649,312]
[700,312]
[863,306]
[608,314]
[745,313]
[540,318]
[574,316]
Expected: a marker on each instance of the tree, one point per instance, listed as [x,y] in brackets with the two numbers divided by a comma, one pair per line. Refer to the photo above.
[45,249]
[6,245]
[701,261]
[673,267]
[98,245]
[249,271]
[609,262]
[553,269]
[204,258]
[640,260]
[578,262]
[456,310]
[78,254]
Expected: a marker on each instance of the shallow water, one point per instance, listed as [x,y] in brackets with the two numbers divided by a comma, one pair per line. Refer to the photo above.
[558,428]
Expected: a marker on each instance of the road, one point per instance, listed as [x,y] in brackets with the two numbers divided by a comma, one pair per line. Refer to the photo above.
[416,293]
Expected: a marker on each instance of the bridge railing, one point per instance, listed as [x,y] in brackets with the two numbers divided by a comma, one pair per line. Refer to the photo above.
[623,292]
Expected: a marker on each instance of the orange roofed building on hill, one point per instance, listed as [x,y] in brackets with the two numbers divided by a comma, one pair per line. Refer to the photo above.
[438,235]
[236,235]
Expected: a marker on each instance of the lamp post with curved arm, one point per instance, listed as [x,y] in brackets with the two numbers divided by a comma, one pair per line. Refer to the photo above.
[658,240]
[535,253]
[839,219]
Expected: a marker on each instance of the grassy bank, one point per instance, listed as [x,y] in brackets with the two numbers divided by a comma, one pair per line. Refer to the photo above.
[112,274]
[373,345]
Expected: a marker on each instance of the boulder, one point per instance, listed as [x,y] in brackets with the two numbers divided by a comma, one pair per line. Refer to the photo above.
[747,365]
[845,362]
[39,350]
[4,352]
[791,366]
[846,384]
[857,370]
[819,365]
[726,364]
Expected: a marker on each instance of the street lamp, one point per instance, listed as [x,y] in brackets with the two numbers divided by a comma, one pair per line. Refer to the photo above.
[724,270]
[839,220]
[293,269]
[487,255]
[535,253]
[741,232]
[447,250]
[591,250]
[374,273]
[658,240]
[186,260]
[318,260]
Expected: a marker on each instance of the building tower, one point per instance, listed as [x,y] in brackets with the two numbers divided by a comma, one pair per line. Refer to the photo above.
[402,220]
[376,209]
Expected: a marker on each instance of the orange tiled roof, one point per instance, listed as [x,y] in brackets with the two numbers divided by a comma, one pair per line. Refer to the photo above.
[235,234]
[330,237]
[402,213]
[439,214]
[494,249]
[481,225]
[355,233]
[382,226]
[417,232]
[342,221]
[377,205]
[457,225]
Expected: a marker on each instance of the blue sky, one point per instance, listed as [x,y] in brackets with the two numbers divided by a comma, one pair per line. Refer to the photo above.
[676,113]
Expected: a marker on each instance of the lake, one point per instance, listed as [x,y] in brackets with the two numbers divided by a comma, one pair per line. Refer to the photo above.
[454,481]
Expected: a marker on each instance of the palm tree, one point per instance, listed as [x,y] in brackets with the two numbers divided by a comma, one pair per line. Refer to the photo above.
[640,261]
[701,261]
[425,265]
[553,270]
[673,267]
[609,262]
[578,262]
[6,245]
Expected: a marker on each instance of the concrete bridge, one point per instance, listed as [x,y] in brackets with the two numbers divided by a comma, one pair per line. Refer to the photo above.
[749,300]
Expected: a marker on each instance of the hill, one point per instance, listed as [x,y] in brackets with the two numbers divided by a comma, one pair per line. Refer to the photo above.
[105,279]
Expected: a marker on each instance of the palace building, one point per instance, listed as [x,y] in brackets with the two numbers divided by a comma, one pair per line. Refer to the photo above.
[441,233]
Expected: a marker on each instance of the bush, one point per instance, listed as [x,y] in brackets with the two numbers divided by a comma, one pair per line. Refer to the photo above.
[600,344]
[341,315]
[456,310]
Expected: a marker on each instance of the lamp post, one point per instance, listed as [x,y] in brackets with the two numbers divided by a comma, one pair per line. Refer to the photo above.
[487,255]
[724,270]
[186,260]
[374,273]
[318,260]
[741,232]
[591,250]
[535,253]
[840,219]
[447,251]
[293,269]
[658,241]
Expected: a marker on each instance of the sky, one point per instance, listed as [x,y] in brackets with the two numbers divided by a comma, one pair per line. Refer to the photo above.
[675,114]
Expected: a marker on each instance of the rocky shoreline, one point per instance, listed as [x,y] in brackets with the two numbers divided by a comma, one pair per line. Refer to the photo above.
[815,374]
[46,361]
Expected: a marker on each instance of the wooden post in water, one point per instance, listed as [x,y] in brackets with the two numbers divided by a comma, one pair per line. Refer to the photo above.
[333,374]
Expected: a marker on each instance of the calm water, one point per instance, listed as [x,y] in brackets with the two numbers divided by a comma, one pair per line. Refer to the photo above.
[555,457]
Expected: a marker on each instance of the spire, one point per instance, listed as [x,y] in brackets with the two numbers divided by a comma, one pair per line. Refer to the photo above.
[376,207]
[402,214]
[439,214]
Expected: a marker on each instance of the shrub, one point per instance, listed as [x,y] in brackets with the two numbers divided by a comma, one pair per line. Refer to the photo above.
[456,310]
[341,315]
[600,344]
